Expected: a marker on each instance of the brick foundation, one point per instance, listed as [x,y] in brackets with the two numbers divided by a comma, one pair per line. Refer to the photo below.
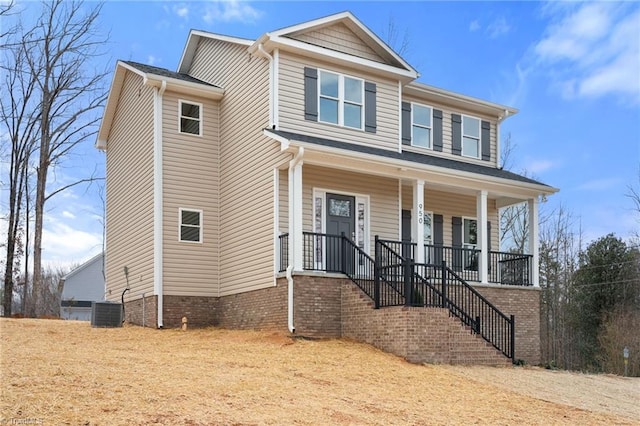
[331,306]
[133,311]
[524,304]
[200,311]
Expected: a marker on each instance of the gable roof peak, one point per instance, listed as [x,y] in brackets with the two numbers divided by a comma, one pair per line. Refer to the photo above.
[289,38]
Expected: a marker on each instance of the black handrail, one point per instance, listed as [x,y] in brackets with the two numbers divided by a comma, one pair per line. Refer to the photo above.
[283,239]
[454,293]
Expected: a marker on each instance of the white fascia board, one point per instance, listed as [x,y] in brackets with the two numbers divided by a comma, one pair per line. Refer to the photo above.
[352,23]
[459,100]
[112,103]
[325,54]
[192,44]
[187,87]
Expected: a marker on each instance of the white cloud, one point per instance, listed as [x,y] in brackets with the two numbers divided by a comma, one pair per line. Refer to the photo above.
[538,166]
[151,60]
[498,27]
[593,50]
[181,10]
[230,11]
[474,26]
[68,215]
[601,184]
[60,242]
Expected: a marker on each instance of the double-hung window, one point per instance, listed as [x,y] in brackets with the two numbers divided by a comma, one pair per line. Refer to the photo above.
[190,118]
[470,233]
[190,225]
[470,137]
[341,100]
[421,126]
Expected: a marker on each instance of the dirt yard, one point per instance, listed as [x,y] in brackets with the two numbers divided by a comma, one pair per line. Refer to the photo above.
[67,373]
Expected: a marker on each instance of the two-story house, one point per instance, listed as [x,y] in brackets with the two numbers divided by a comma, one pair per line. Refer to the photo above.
[306,181]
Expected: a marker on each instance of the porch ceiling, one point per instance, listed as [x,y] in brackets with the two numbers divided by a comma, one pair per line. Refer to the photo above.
[443,173]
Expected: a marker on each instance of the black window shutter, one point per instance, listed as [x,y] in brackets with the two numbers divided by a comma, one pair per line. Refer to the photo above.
[438,239]
[456,236]
[485,140]
[489,235]
[310,94]
[437,130]
[438,234]
[406,123]
[456,134]
[369,107]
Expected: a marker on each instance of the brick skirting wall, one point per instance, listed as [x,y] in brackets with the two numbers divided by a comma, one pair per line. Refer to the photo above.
[200,311]
[133,311]
[524,304]
[332,307]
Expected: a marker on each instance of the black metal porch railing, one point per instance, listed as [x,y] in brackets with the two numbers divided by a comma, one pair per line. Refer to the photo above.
[433,285]
[510,268]
[283,246]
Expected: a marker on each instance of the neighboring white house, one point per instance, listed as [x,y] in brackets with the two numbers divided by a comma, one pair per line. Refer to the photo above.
[83,285]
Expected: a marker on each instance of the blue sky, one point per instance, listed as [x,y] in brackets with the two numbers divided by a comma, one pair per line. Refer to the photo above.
[572,69]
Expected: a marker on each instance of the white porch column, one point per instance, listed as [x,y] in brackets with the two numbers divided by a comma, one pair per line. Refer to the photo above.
[483,238]
[418,219]
[295,211]
[534,241]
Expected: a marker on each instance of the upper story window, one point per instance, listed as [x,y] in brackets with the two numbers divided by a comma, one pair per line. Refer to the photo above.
[341,100]
[470,137]
[190,118]
[421,126]
[190,226]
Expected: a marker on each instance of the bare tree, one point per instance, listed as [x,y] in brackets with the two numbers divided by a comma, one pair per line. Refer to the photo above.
[399,43]
[19,117]
[57,52]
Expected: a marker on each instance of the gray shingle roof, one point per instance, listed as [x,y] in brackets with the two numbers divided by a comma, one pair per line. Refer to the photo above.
[166,73]
[426,159]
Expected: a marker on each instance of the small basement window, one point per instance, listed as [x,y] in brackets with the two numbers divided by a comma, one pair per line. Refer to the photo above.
[191,226]
[190,118]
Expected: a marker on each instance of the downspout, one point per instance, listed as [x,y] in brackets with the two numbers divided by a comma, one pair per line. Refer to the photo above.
[289,273]
[157,201]
[272,121]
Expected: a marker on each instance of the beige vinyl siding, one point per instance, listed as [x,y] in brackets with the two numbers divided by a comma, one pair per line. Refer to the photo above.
[291,104]
[283,201]
[341,39]
[447,136]
[247,159]
[382,192]
[129,235]
[450,204]
[191,180]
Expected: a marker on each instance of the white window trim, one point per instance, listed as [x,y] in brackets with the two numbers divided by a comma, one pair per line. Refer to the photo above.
[360,198]
[200,239]
[200,109]
[341,99]
[413,105]
[464,244]
[479,138]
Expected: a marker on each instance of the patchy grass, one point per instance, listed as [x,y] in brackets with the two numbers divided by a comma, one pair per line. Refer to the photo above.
[65,372]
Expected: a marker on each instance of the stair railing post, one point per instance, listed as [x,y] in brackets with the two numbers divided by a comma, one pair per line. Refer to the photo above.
[343,254]
[445,303]
[376,274]
[408,299]
[513,339]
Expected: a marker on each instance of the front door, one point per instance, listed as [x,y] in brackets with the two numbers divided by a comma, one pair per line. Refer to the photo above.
[340,220]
